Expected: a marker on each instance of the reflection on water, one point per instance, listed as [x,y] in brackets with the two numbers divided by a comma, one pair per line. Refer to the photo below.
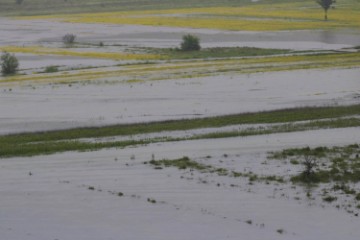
[339,37]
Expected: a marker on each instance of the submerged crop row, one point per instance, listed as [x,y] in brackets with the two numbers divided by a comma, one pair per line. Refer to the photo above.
[29,144]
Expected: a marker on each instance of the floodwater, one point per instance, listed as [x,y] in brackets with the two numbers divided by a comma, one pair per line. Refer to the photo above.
[76,195]
[28,32]
[62,106]
[55,201]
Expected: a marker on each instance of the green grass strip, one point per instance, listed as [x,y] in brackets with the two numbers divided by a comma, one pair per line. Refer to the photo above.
[12,148]
[277,116]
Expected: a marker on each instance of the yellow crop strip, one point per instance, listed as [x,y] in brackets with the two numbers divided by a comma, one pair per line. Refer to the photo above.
[258,17]
[67,52]
[190,69]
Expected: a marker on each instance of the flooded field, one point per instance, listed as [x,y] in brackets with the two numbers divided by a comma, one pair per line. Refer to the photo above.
[122,135]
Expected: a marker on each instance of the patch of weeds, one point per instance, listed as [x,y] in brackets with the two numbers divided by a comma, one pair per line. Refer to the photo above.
[280,231]
[294,162]
[344,188]
[357,197]
[181,163]
[51,69]
[344,165]
[306,151]
[120,194]
[329,199]
[273,178]
[253,178]
[151,200]
[222,171]
[91,188]
[237,174]
[216,52]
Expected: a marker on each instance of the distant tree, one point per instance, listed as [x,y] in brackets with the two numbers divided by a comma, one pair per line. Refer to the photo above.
[190,43]
[325,4]
[69,38]
[9,63]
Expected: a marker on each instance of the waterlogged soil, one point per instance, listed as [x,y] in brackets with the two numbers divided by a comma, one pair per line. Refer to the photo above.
[112,193]
[36,107]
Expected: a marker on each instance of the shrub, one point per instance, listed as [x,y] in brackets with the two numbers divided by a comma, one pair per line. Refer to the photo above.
[69,38]
[9,64]
[51,69]
[19,2]
[190,43]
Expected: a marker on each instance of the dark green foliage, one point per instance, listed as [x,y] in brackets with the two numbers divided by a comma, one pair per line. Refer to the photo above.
[69,38]
[151,200]
[217,52]
[190,43]
[329,199]
[9,64]
[344,188]
[51,69]
[344,165]
[325,4]
[357,197]
[181,163]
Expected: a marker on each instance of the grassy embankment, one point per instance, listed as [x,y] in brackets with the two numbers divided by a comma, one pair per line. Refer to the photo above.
[30,144]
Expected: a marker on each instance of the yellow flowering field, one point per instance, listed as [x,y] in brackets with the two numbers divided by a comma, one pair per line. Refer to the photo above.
[68,52]
[255,17]
[191,69]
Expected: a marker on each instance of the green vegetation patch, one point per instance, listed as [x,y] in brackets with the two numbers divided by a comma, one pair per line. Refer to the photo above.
[337,164]
[181,163]
[31,144]
[187,163]
[217,52]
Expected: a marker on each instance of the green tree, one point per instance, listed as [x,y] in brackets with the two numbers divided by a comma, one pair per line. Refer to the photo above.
[9,63]
[325,4]
[190,43]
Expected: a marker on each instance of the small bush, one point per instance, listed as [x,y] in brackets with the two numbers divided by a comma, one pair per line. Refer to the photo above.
[19,2]
[9,64]
[190,43]
[69,38]
[51,69]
